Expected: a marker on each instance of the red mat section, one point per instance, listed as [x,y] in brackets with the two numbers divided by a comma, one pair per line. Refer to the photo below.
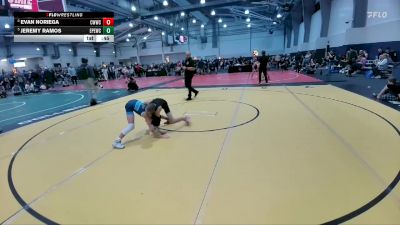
[121,84]
[276,77]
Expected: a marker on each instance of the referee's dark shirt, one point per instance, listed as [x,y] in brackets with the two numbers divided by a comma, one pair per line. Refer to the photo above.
[189,63]
[263,61]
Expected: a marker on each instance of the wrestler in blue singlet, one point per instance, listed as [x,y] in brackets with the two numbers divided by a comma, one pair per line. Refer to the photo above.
[135,106]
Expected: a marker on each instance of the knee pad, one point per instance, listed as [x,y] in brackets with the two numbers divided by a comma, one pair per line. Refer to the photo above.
[128,129]
[155,121]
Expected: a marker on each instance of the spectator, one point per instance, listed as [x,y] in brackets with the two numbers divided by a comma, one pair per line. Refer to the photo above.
[87,72]
[6,83]
[298,59]
[32,88]
[307,59]
[27,87]
[359,65]
[49,77]
[200,66]
[380,52]
[12,80]
[283,64]
[138,69]
[392,55]
[72,73]
[311,67]
[381,65]
[21,82]
[111,71]
[104,72]
[16,90]
[351,57]
[178,69]
[391,92]
[132,85]
[3,92]
[365,53]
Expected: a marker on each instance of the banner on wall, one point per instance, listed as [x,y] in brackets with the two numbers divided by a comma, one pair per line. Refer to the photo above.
[23,5]
[51,5]
[32,5]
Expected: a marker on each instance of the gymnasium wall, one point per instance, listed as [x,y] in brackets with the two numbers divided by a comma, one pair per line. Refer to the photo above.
[378,32]
[34,57]
[228,46]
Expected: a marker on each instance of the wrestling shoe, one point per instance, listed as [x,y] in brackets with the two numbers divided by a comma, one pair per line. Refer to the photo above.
[118,145]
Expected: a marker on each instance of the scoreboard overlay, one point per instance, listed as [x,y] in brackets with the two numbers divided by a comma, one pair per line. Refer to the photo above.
[63,27]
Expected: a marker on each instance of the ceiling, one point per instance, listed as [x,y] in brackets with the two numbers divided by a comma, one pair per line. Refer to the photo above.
[135,24]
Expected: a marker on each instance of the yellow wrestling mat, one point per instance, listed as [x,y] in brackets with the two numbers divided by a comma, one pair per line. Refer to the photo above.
[274,155]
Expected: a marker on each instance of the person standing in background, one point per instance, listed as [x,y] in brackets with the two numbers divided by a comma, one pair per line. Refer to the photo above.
[72,73]
[49,78]
[380,52]
[298,59]
[86,72]
[190,69]
[263,67]
[21,82]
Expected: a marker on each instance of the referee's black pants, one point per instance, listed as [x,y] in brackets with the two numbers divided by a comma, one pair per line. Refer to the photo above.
[260,71]
[188,84]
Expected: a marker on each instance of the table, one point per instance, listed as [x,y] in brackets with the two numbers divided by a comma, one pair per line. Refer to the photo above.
[240,68]
[155,73]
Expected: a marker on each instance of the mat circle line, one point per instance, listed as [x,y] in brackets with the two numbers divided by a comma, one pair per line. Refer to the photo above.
[217,129]
[23,103]
[338,220]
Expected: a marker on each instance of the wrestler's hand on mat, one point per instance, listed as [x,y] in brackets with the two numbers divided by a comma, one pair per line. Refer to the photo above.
[188,121]
[157,133]
[166,122]
[162,132]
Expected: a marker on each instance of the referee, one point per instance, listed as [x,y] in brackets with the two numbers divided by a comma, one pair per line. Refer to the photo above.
[190,70]
[263,67]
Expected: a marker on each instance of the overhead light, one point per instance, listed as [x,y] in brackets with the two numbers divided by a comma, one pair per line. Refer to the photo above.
[133,8]
[165,3]
[4,60]
[129,35]
[70,50]
[155,17]
[194,21]
[279,15]
[113,52]
[202,26]
[246,11]
[149,30]
[163,33]
[127,40]
[213,12]
[248,19]
[144,38]
[182,14]
[225,25]
[182,29]
[37,49]
[131,24]
[7,26]
[202,1]
[274,22]
[219,20]
[94,51]
[171,24]
[249,25]
[22,59]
